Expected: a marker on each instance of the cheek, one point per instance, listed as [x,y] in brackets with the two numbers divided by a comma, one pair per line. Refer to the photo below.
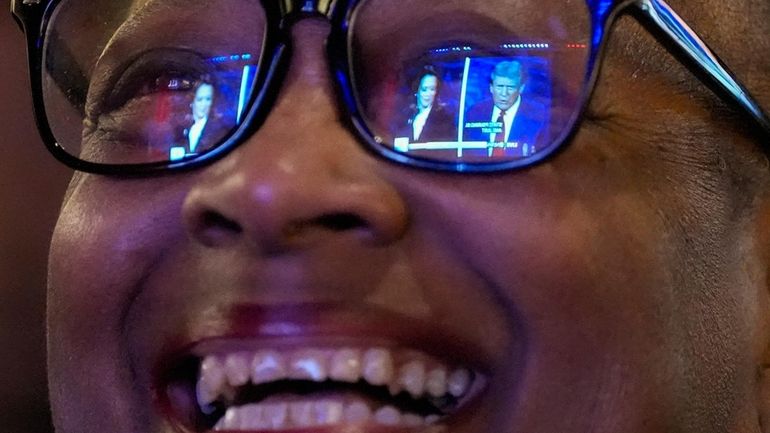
[564,261]
[103,247]
[577,267]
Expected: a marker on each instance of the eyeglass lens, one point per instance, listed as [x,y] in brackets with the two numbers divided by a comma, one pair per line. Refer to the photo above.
[447,81]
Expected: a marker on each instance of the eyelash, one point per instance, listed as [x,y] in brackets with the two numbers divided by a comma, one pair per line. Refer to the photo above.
[159,70]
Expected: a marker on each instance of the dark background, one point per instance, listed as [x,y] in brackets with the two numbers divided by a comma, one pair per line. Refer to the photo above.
[31,187]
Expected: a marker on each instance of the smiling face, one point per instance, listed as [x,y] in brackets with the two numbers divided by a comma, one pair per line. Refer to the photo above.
[619,287]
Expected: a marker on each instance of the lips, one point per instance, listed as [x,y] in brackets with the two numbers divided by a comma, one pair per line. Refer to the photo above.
[320,372]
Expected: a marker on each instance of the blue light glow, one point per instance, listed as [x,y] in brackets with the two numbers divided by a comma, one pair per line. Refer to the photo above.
[249,72]
[602,7]
[463,91]
[176,153]
[526,46]
[451,50]
[518,46]
[231,58]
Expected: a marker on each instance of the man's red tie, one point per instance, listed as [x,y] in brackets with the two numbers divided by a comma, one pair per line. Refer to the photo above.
[500,136]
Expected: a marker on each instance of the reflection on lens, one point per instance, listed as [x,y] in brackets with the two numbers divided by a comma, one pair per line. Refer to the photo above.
[146,82]
[510,93]
[489,119]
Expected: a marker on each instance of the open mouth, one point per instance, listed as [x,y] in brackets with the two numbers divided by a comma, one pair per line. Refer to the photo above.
[317,387]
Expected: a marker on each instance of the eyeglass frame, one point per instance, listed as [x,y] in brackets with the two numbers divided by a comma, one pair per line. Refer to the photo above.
[656,16]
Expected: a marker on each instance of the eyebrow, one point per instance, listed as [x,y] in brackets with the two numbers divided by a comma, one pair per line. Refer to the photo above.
[67,69]
[634,55]
[640,57]
[137,13]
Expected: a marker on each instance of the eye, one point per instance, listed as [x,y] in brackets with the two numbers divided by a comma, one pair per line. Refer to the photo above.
[488,58]
[155,72]
[145,111]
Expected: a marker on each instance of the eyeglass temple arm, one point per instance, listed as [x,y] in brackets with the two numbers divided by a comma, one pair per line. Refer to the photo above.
[701,57]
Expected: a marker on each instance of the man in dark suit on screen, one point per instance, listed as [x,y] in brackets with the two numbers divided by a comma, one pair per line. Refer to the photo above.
[509,123]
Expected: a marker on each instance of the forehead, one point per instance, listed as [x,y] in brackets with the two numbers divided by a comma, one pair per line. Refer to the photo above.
[428,80]
[503,80]
[204,90]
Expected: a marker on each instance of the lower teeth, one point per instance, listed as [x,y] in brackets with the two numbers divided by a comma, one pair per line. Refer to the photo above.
[315,413]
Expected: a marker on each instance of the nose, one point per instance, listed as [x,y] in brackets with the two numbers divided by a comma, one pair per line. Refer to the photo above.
[301,179]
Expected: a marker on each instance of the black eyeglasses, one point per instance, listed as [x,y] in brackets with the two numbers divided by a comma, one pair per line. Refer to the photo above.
[141,86]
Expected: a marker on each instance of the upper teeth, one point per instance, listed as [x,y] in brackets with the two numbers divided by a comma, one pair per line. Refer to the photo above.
[407,370]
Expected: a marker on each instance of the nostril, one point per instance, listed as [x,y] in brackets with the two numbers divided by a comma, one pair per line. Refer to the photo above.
[211,228]
[339,222]
[331,222]
[211,220]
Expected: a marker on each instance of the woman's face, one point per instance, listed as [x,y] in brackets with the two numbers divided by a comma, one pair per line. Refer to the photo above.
[426,93]
[201,105]
[607,290]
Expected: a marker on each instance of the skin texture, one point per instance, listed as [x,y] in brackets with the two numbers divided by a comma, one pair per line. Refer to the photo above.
[619,287]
